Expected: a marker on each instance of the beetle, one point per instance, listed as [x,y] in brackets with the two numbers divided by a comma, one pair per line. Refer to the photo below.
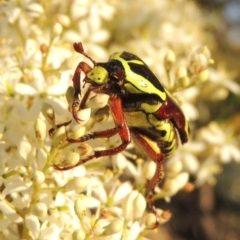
[142,109]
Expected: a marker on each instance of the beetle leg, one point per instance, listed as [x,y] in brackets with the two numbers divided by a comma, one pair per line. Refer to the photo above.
[120,128]
[154,152]
[76,105]
[84,67]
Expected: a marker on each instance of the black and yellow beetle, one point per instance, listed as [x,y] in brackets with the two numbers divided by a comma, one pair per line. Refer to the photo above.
[141,108]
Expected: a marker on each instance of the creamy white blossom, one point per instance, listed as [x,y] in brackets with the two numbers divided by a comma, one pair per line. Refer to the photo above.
[104,198]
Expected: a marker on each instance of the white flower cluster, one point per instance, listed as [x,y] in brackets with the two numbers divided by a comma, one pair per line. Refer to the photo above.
[104,198]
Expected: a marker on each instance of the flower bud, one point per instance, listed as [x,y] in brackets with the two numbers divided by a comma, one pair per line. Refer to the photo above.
[80,207]
[102,115]
[75,130]
[84,149]
[58,137]
[205,51]
[115,226]
[182,179]
[139,206]
[127,205]
[77,184]
[38,177]
[57,29]
[151,220]
[202,76]
[83,115]
[123,190]
[120,161]
[40,129]
[98,101]
[174,168]
[164,217]
[63,20]
[181,72]
[24,149]
[39,209]
[170,187]
[102,118]
[43,48]
[48,112]
[184,81]
[69,159]
[78,235]
[31,223]
[70,95]
[169,60]
[199,60]
[190,163]
[149,169]
[173,185]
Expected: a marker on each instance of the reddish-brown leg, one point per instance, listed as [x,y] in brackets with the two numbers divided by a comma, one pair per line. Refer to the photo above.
[153,151]
[76,105]
[120,128]
[85,68]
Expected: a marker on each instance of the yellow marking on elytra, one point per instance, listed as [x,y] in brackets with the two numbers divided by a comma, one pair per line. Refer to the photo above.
[131,88]
[149,108]
[137,119]
[137,80]
[158,124]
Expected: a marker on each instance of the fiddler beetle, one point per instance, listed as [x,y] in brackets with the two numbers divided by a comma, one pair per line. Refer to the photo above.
[141,107]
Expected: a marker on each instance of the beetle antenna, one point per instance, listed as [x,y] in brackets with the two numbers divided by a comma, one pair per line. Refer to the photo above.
[78,47]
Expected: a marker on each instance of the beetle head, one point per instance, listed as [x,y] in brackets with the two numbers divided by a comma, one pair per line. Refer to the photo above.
[98,75]
[106,76]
